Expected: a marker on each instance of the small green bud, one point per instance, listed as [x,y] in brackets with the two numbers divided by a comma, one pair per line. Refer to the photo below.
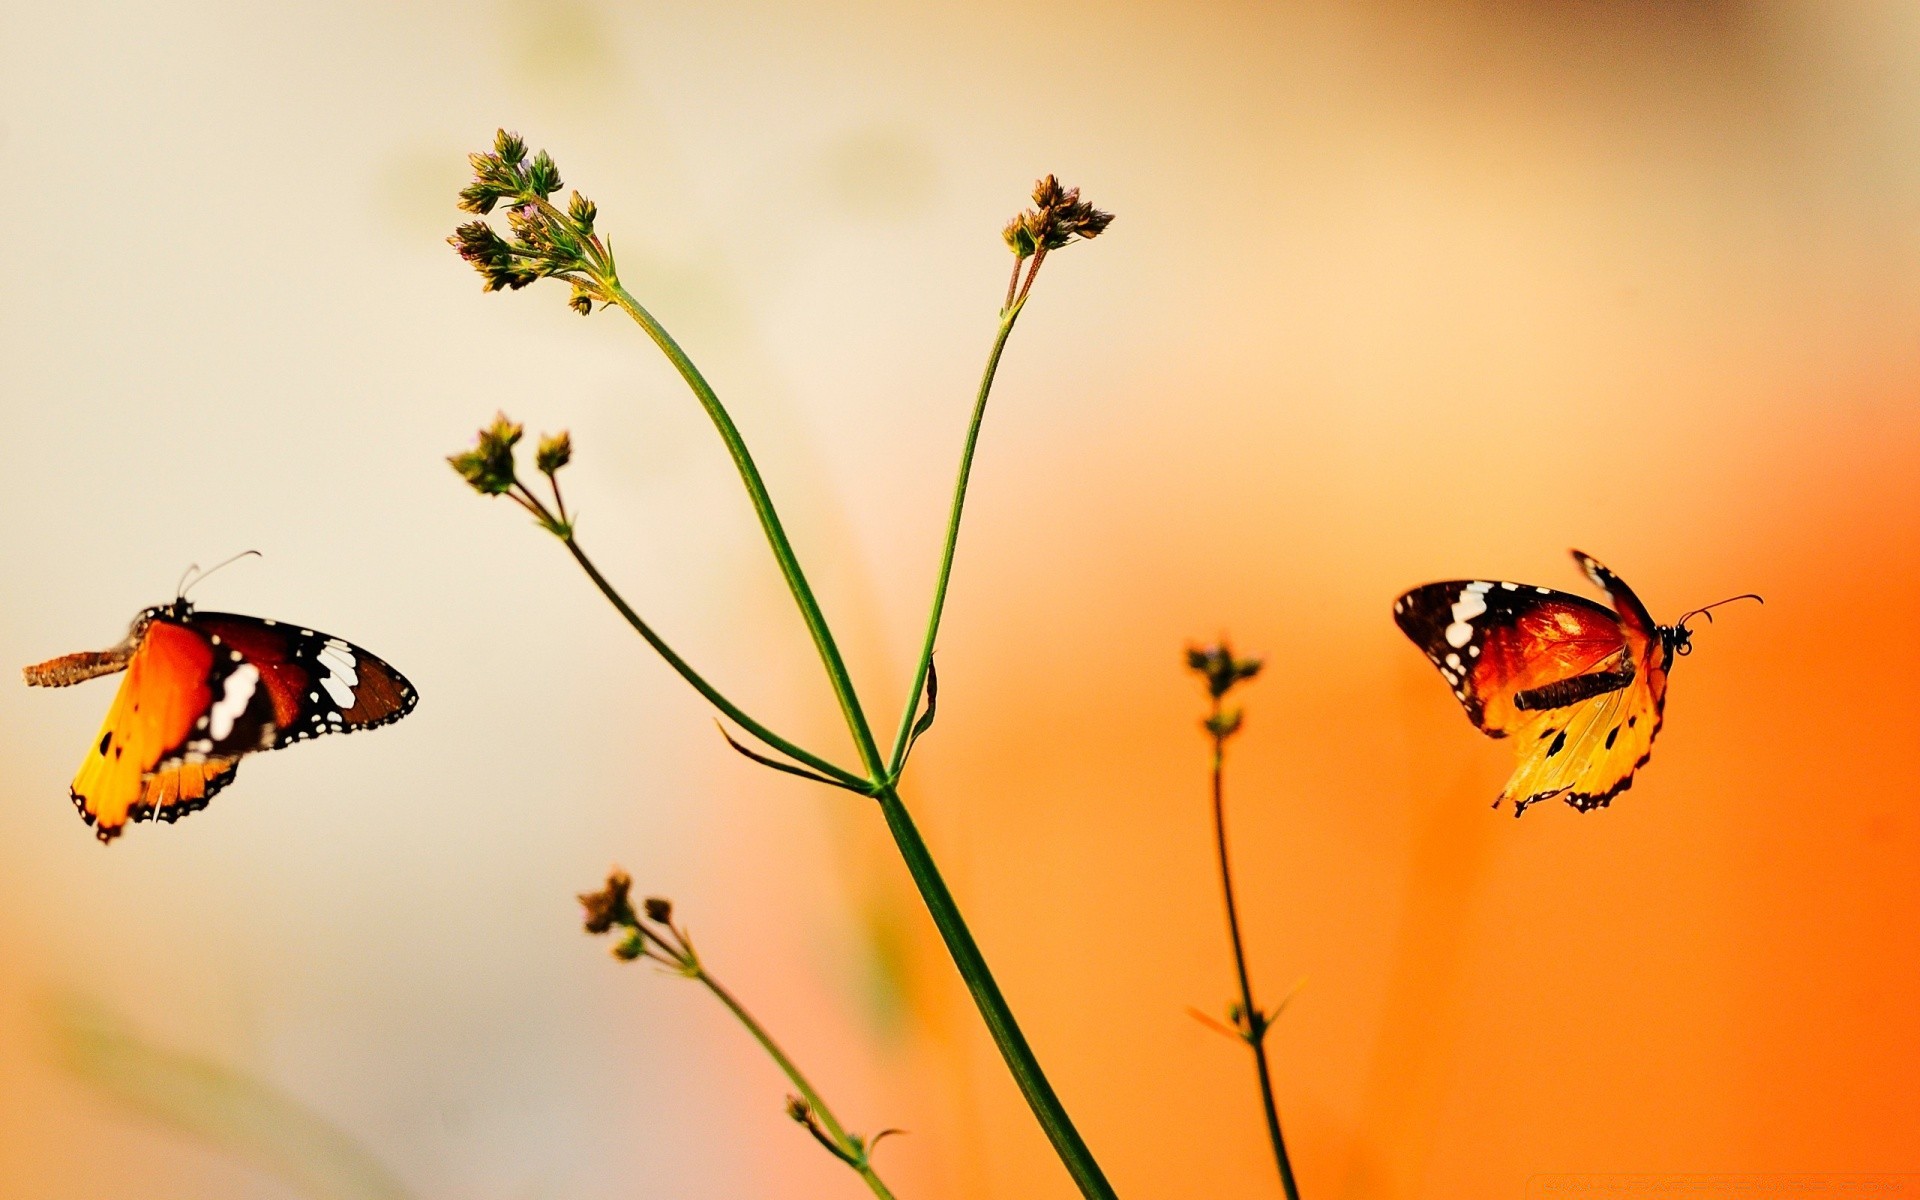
[488,467]
[479,198]
[543,177]
[554,452]
[1220,668]
[583,212]
[509,147]
[1018,237]
[1225,723]
[630,947]
[492,256]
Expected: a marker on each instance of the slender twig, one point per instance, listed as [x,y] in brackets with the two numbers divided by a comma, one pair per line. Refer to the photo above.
[1255,1023]
[846,1148]
[686,672]
[776,533]
[655,937]
[898,757]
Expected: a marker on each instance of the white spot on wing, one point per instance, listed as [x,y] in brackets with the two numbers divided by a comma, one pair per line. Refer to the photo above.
[1459,634]
[235,694]
[339,690]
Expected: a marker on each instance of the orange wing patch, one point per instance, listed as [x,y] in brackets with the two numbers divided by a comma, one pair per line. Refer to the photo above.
[172,793]
[164,692]
[171,736]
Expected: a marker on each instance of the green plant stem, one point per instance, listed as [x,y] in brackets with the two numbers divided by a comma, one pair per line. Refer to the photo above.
[967,958]
[1019,1057]
[897,759]
[852,1154]
[1254,1031]
[783,554]
[686,671]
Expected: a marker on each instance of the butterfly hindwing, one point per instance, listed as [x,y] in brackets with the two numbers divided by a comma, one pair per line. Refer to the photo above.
[186,710]
[1586,753]
[318,683]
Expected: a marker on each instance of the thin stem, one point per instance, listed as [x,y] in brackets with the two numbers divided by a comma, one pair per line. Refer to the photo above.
[1255,1031]
[700,685]
[1019,1057]
[816,621]
[900,739]
[844,1147]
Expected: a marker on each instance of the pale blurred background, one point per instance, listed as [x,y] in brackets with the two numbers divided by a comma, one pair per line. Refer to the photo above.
[1398,291]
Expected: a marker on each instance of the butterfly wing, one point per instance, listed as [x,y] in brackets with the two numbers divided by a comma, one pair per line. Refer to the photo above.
[187,709]
[318,683]
[1498,644]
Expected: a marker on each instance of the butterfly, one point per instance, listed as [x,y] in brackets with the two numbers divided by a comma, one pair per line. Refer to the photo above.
[202,690]
[1582,689]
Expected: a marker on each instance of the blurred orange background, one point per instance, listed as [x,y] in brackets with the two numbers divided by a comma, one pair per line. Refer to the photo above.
[1398,292]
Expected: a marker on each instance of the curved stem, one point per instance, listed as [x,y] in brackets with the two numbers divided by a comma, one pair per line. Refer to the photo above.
[1019,1057]
[900,739]
[853,1155]
[1254,1031]
[796,579]
[700,684]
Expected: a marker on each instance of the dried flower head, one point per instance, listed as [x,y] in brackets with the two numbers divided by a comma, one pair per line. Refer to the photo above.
[659,909]
[488,467]
[609,906]
[1220,668]
[1058,216]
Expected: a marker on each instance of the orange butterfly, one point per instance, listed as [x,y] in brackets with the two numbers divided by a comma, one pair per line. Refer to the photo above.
[203,689]
[1582,688]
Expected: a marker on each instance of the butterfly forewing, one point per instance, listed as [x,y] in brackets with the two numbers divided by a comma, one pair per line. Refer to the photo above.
[1493,641]
[318,683]
[187,708]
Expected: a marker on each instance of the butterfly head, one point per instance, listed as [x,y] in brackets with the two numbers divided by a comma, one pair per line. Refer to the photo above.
[1678,639]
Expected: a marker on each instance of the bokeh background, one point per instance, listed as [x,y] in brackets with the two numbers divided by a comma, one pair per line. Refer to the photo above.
[1398,291]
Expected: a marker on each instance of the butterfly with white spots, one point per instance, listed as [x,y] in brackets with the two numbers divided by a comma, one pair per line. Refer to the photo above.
[1581,688]
[202,690]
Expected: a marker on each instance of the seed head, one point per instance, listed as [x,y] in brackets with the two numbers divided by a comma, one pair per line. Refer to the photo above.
[609,906]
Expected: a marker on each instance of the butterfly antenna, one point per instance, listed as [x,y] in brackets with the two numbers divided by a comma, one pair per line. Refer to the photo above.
[201,577]
[1707,612]
[180,589]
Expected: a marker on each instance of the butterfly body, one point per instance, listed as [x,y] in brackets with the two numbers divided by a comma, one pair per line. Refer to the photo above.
[203,689]
[1580,688]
